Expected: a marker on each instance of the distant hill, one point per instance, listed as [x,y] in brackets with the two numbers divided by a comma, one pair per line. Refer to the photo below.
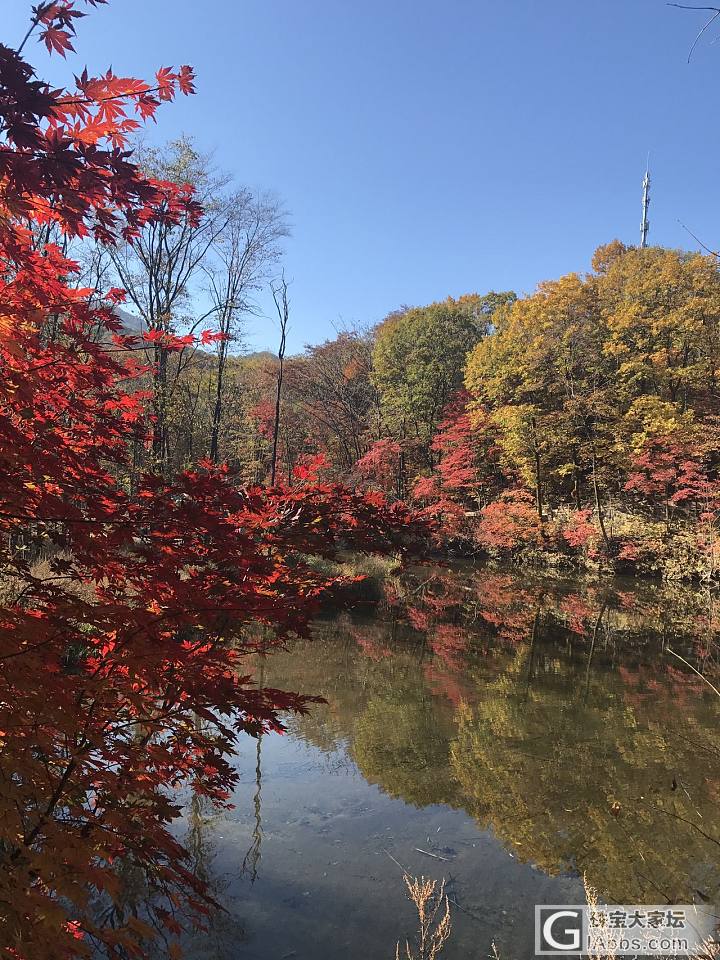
[133,325]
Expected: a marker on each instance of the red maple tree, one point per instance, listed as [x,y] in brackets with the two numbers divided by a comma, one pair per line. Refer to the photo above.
[467,475]
[382,466]
[122,607]
[675,473]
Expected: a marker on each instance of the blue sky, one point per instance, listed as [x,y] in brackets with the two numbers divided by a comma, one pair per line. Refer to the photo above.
[432,148]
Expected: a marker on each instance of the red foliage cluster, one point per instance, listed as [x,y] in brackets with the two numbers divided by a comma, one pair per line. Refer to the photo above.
[381,465]
[466,474]
[63,160]
[510,522]
[675,473]
[579,531]
[455,442]
[471,499]
[121,670]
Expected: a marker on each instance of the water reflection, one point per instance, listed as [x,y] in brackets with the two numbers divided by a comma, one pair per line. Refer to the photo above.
[508,734]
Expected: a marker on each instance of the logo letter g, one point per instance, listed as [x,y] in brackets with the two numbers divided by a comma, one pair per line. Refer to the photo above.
[573,943]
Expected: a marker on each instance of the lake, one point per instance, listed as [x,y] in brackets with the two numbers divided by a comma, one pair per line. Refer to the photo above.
[505,732]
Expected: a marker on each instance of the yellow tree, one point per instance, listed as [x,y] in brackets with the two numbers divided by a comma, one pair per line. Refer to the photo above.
[662,311]
[546,379]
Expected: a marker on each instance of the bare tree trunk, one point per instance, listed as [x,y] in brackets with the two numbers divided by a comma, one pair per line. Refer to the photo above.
[577,480]
[598,504]
[243,253]
[217,408]
[157,269]
[538,473]
[596,629]
[280,296]
[159,431]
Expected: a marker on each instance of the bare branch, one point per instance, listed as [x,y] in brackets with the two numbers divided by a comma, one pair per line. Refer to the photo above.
[279,290]
[713,18]
[713,253]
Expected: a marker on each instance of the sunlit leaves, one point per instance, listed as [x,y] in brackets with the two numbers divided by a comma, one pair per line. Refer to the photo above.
[128,600]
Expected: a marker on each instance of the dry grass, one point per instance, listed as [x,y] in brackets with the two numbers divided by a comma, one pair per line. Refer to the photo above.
[709,949]
[377,572]
[434,923]
[591,895]
[14,588]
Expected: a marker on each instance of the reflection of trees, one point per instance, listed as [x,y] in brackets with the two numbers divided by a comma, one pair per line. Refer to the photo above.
[251,860]
[502,606]
[547,772]
[379,708]
[198,840]
[402,743]
[335,666]
[522,714]
[220,929]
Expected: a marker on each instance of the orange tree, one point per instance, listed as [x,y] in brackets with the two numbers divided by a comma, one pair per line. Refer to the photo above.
[121,673]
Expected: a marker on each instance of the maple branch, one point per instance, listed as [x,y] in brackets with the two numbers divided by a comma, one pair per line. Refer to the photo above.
[81,101]
[32,518]
[79,750]
[33,23]
[51,804]
[20,653]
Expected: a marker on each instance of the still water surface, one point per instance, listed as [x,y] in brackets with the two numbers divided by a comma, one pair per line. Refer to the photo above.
[505,733]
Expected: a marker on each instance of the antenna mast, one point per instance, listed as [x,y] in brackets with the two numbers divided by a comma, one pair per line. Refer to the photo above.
[645,223]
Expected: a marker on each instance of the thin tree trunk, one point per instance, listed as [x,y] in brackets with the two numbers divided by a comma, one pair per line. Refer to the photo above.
[598,504]
[283,309]
[577,481]
[159,432]
[531,657]
[276,425]
[538,474]
[596,628]
[217,409]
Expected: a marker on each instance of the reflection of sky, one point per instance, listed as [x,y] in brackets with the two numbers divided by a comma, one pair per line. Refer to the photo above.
[327,886]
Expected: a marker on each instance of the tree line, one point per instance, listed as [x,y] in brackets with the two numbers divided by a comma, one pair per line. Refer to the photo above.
[579,421]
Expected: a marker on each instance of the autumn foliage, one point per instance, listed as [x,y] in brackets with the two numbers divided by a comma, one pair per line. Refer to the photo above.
[124,602]
[588,427]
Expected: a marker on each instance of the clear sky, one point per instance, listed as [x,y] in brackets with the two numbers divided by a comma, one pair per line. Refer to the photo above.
[433,148]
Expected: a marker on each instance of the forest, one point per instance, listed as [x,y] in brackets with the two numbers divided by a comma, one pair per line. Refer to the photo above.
[174,504]
[576,425]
